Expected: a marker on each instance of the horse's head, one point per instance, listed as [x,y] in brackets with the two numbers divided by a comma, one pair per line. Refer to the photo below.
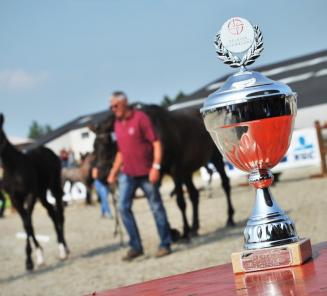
[105,146]
[83,156]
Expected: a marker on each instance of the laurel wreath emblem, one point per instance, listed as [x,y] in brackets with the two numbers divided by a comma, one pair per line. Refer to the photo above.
[252,54]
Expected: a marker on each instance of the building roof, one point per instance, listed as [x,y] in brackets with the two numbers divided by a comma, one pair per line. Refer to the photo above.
[306,75]
[79,122]
[18,141]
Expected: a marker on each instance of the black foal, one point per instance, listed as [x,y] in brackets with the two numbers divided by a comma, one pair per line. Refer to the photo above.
[26,178]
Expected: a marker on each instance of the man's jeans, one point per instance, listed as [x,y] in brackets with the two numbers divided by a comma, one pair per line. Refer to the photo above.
[102,190]
[127,187]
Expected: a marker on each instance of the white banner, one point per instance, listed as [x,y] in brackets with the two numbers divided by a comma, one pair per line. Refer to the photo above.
[303,151]
[72,191]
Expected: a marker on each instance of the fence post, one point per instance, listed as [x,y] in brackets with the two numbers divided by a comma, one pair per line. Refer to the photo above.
[322,148]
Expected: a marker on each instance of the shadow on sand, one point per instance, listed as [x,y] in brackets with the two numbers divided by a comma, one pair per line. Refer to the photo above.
[60,264]
[214,236]
[195,242]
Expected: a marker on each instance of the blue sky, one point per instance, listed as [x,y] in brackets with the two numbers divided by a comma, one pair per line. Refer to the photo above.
[61,59]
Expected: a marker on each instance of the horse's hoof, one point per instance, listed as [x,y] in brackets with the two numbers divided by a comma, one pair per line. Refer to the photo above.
[63,252]
[230,223]
[29,265]
[39,257]
[175,235]
[184,240]
[194,233]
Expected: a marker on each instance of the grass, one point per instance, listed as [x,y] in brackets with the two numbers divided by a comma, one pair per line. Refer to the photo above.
[7,200]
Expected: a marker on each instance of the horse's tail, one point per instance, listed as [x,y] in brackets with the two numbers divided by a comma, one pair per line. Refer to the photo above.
[56,179]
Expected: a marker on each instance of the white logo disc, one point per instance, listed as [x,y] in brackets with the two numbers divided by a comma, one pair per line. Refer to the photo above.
[237,35]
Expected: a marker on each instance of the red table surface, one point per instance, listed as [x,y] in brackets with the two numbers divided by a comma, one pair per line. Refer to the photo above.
[307,279]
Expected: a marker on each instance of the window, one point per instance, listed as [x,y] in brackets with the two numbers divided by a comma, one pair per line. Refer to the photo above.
[84,135]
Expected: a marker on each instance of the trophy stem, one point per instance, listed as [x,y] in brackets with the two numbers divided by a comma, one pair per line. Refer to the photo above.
[268,225]
[243,68]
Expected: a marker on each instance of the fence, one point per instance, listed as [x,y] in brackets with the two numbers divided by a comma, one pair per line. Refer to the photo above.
[322,146]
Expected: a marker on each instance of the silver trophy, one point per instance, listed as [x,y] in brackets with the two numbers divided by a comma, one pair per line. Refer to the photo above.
[250,118]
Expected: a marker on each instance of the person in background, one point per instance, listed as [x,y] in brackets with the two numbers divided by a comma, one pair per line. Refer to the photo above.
[71,158]
[138,161]
[63,155]
[101,187]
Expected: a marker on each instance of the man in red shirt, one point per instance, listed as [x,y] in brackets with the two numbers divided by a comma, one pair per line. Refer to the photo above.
[138,161]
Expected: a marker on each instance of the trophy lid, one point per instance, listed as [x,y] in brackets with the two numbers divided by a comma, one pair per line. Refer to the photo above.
[239,44]
[242,87]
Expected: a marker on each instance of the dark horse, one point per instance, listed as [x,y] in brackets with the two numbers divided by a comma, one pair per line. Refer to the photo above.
[26,178]
[186,147]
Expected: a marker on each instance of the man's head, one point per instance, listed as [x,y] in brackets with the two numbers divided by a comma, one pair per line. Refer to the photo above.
[119,104]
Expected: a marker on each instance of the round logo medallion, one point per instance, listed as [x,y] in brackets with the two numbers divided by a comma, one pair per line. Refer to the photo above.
[237,35]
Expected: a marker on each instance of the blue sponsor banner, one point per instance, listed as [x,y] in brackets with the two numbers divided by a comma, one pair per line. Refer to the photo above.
[303,150]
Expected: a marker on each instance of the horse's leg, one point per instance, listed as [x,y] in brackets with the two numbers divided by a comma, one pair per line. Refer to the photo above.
[218,162]
[174,233]
[88,199]
[194,197]
[38,249]
[63,248]
[208,186]
[182,205]
[52,212]
[25,211]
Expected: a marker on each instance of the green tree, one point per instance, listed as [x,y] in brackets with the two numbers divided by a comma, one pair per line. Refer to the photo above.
[179,96]
[47,129]
[167,101]
[37,130]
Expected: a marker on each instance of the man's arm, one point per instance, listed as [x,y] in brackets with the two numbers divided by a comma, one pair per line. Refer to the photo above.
[157,152]
[115,168]
[150,136]
[95,173]
[154,174]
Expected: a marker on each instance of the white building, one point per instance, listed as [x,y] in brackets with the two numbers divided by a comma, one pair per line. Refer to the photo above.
[20,142]
[78,140]
[74,135]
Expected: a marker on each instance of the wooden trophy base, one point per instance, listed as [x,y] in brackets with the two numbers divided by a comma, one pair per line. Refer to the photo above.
[274,257]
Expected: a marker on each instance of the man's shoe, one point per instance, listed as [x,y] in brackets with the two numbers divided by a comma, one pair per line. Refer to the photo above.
[132,254]
[163,252]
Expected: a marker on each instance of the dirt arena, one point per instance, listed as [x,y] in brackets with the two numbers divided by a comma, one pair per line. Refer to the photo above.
[95,262]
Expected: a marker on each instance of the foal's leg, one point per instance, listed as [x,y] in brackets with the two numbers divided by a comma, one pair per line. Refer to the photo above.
[63,248]
[58,194]
[218,162]
[57,217]
[38,249]
[194,197]
[25,209]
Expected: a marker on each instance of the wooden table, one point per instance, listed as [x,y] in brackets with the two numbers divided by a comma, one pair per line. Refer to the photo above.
[307,279]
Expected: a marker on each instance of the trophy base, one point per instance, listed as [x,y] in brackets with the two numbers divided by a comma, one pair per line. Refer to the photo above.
[275,257]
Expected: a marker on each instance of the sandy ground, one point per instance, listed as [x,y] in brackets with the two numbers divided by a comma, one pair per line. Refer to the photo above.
[95,262]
